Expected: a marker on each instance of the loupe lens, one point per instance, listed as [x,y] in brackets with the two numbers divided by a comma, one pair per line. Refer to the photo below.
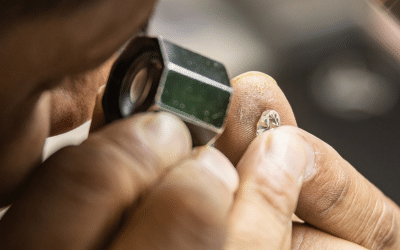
[140,83]
[140,87]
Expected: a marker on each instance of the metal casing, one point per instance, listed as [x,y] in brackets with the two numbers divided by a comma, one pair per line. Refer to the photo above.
[191,86]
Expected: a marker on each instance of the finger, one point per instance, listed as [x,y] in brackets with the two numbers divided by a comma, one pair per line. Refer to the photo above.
[270,175]
[76,198]
[239,132]
[339,200]
[188,210]
[73,101]
[306,237]
[254,92]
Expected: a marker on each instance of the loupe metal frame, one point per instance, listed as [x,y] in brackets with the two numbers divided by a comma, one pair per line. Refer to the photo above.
[176,80]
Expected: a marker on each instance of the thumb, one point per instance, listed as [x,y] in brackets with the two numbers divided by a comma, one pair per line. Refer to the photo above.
[270,172]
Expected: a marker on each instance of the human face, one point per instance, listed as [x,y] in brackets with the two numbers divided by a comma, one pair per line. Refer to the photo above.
[51,67]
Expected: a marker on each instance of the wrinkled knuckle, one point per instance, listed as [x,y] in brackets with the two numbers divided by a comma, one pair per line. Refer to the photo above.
[384,234]
[331,191]
[299,236]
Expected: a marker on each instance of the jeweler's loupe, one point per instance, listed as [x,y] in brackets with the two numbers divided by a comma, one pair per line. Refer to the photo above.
[154,74]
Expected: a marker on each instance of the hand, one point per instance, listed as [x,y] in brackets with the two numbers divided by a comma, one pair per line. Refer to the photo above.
[341,209]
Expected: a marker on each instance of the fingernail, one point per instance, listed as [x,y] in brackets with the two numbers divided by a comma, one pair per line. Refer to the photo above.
[167,134]
[218,165]
[289,151]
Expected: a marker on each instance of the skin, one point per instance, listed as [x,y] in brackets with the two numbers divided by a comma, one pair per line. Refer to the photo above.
[138,183]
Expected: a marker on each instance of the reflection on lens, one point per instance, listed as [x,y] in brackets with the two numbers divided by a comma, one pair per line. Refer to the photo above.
[140,87]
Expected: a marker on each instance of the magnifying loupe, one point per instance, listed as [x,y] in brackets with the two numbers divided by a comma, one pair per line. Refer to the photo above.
[153,74]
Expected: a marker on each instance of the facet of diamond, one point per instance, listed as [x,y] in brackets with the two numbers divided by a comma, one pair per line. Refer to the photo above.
[269,120]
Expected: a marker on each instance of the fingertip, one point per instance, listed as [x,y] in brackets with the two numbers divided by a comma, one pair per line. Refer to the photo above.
[270,181]
[271,170]
[308,147]
[300,149]
[265,93]
[282,152]
[254,93]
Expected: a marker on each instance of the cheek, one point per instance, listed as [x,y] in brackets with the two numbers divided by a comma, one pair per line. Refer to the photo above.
[73,101]
[23,152]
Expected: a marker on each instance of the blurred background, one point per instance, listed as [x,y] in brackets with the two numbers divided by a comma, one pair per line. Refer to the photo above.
[336,61]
